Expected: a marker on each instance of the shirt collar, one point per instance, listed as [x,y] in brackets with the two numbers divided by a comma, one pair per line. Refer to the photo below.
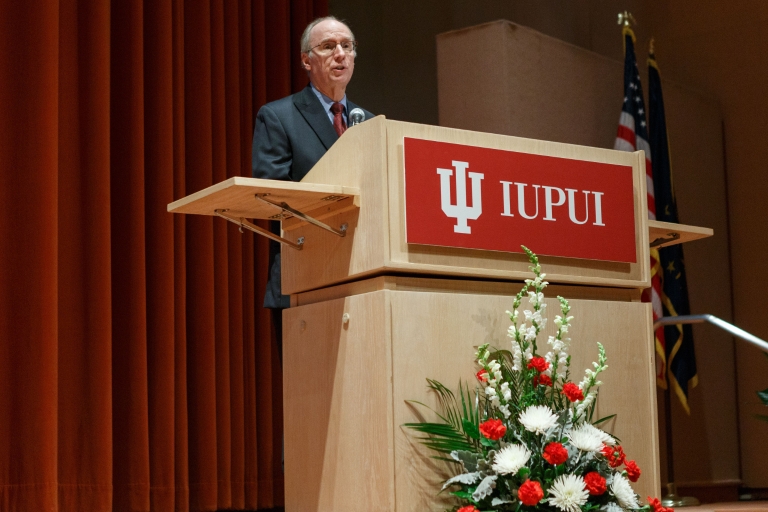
[327,102]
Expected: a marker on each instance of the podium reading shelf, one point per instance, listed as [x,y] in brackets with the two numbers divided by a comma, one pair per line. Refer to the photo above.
[373,316]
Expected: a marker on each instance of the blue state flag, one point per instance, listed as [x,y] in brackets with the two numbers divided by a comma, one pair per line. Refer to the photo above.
[681,359]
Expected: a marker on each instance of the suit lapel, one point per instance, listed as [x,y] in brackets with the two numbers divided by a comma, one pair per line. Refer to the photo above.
[312,111]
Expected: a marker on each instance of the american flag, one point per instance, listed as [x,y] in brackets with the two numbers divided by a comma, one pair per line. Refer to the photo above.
[632,136]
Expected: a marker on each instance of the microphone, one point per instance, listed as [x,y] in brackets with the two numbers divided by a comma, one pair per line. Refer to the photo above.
[357,116]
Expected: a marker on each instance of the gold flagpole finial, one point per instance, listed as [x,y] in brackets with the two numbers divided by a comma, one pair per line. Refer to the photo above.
[650,47]
[626,19]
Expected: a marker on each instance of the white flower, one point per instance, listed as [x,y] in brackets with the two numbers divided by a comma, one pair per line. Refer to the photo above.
[538,419]
[587,438]
[611,507]
[569,493]
[517,356]
[505,410]
[605,437]
[557,345]
[528,353]
[623,492]
[505,392]
[584,404]
[510,459]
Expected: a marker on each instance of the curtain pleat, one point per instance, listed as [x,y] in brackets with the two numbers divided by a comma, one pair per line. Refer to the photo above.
[85,260]
[160,256]
[138,369]
[181,389]
[29,242]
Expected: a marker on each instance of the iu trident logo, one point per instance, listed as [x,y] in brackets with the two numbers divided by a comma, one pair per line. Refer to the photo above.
[460,211]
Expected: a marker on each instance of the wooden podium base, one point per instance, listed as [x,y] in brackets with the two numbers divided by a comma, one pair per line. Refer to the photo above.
[353,355]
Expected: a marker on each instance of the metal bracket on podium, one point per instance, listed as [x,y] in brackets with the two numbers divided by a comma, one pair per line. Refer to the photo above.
[284,207]
[243,223]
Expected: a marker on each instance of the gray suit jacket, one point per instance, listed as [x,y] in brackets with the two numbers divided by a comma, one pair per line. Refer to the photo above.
[291,135]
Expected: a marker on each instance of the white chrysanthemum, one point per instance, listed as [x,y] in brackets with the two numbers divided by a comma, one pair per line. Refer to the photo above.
[605,437]
[510,459]
[569,493]
[611,507]
[622,490]
[587,438]
[538,419]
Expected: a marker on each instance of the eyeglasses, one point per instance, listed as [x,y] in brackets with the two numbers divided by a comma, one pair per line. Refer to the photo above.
[328,47]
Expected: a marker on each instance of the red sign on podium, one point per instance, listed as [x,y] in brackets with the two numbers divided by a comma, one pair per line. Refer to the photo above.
[490,199]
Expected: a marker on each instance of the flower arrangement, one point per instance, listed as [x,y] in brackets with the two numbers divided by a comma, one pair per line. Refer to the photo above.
[525,436]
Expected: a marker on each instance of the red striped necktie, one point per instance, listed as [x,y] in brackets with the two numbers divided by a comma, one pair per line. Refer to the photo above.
[338,120]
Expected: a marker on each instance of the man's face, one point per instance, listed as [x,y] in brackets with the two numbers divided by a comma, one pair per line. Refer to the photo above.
[329,73]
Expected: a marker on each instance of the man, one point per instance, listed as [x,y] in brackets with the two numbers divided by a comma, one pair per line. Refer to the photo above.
[293,133]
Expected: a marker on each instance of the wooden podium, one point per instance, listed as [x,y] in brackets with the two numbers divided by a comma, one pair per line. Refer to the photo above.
[372,317]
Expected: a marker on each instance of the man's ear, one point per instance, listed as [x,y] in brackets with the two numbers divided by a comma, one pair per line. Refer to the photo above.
[305,61]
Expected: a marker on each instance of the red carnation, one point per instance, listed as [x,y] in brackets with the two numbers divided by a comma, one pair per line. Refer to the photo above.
[482,375]
[595,483]
[493,429]
[573,392]
[633,472]
[530,492]
[468,508]
[539,364]
[614,454]
[555,453]
[657,506]
[542,380]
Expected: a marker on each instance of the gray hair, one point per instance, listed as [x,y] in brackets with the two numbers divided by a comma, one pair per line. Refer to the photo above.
[305,36]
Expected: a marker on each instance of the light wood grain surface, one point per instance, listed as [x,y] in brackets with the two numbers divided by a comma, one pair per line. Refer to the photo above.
[674,234]
[370,158]
[338,406]
[346,387]
[237,196]
[435,335]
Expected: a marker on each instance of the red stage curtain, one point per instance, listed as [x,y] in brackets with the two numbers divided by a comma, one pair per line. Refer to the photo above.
[137,368]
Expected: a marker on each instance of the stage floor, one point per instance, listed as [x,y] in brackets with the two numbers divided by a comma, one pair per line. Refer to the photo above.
[733,506]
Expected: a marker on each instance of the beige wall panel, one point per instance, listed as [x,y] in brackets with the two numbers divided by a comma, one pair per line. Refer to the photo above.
[699,181]
[435,335]
[531,85]
[338,406]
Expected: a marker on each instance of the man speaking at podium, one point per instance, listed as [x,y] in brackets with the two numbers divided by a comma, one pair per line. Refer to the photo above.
[293,133]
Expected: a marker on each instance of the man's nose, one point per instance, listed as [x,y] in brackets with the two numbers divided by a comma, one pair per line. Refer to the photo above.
[338,52]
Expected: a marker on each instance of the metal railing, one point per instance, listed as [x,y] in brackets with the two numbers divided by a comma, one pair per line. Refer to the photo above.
[712,319]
